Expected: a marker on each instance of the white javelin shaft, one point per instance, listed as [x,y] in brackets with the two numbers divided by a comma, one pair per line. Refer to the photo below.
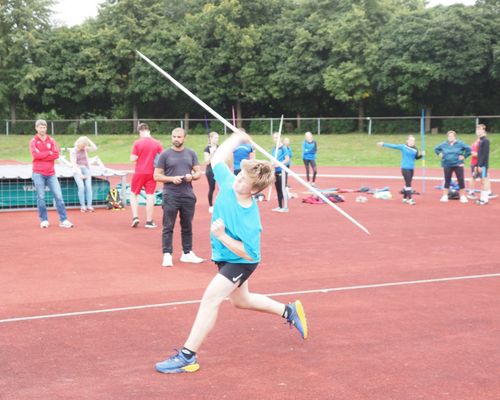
[276,152]
[264,152]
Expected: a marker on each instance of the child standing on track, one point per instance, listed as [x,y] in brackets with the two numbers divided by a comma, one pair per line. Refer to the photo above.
[235,237]
[280,152]
[309,152]
[409,155]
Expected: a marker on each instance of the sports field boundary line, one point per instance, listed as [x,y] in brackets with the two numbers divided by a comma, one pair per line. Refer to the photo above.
[398,177]
[324,290]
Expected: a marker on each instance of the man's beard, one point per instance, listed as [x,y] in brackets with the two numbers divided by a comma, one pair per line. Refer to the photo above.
[177,144]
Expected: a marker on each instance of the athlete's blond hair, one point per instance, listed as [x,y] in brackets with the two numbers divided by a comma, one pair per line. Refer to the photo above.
[260,173]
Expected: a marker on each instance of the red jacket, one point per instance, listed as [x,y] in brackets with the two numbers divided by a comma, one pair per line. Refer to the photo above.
[44,153]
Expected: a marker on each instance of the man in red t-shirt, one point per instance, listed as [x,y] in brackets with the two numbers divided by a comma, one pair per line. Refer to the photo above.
[473,164]
[144,153]
[44,152]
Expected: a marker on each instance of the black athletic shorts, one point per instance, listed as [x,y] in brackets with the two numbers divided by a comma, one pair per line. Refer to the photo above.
[236,272]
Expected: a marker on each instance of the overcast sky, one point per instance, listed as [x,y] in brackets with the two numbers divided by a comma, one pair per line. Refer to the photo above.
[74,12]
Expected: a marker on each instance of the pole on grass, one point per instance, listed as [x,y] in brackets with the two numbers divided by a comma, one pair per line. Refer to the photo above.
[234,116]
[276,154]
[263,151]
[422,135]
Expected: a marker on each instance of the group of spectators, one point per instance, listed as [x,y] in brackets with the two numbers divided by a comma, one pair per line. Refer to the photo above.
[178,166]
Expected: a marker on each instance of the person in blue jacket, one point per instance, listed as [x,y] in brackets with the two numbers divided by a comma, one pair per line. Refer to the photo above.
[280,152]
[309,151]
[452,153]
[409,155]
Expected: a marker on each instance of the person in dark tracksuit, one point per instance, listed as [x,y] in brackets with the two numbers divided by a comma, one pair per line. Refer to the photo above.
[409,155]
[452,153]
[483,156]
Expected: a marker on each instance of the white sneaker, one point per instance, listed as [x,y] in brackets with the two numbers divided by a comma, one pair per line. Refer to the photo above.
[66,224]
[444,198]
[210,210]
[411,202]
[167,260]
[405,200]
[191,258]
[463,199]
[277,209]
[44,224]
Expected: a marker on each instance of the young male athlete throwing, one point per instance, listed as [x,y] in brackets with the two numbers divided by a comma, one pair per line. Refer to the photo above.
[235,237]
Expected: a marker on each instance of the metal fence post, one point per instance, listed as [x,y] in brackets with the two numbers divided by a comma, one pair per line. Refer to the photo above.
[52,127]
[95,127]
[272,127]
[182,124]
[319,126]
[7,127]
[369,126]
[477,121]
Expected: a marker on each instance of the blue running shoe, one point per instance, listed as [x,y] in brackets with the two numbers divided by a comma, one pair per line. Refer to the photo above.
[297,318]
[178,363]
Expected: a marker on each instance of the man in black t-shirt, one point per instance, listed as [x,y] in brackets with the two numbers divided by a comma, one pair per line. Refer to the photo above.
[176,168]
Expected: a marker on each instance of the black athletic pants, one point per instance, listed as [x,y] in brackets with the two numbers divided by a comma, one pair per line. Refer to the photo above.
[459,173]
[211,185]
[311,163]
[279,189]
[408,177]
[184,206]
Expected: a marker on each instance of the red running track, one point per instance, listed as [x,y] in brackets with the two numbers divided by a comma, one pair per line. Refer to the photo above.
[430,339]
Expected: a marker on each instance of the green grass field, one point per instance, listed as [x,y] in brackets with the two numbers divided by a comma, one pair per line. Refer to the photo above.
[334,150]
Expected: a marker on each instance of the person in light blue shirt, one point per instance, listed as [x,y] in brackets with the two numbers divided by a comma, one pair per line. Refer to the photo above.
[309,152]
[235,237]
[409,154]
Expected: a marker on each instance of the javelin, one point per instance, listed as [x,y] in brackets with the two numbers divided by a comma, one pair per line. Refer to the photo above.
[264,152]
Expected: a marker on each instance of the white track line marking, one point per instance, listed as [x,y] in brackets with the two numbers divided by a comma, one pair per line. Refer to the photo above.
[179,303]
[352,176]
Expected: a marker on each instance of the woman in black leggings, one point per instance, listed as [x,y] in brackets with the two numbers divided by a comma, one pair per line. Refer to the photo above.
[213,139]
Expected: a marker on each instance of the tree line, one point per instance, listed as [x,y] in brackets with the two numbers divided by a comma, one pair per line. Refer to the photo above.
[264,57]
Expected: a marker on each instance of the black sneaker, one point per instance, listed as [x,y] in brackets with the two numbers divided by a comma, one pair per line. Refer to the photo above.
[135,222]
[150,225]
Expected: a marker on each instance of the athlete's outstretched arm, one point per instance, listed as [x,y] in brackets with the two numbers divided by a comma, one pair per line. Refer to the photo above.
[225,150]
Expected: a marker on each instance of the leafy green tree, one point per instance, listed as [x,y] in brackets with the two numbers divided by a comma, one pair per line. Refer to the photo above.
[23,26]
[355,38]
[221,47]
[433,58]
[77,77]
[125,26]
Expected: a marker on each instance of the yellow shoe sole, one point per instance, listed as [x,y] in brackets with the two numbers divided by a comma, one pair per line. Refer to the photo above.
[302,316]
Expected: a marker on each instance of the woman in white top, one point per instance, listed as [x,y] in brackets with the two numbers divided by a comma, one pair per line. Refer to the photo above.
[83,178]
